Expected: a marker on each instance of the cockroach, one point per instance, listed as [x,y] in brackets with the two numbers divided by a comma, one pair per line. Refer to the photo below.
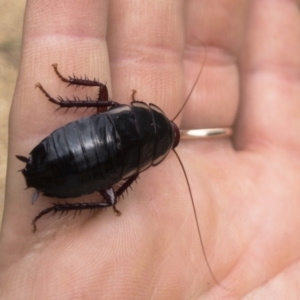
[95,153]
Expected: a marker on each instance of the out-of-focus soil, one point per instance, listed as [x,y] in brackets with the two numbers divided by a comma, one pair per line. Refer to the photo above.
[11,22]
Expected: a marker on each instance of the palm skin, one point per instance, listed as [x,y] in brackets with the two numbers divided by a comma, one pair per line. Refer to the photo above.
[246,189]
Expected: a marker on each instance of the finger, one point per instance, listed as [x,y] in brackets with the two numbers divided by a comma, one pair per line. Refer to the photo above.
[219,26]
[58,34]
[146,52]
[270,110]
[54,32]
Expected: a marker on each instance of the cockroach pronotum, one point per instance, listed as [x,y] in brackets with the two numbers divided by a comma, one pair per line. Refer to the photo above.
[95,153]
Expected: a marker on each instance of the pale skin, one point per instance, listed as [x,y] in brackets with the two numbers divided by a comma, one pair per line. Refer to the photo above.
[246,189]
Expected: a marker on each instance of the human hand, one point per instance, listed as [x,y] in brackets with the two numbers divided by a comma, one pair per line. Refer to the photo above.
[246,190]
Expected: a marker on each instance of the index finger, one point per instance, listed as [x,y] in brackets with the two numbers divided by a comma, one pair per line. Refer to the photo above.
[54,32]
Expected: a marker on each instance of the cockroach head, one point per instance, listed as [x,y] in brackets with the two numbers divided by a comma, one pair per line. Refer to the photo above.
[176,135]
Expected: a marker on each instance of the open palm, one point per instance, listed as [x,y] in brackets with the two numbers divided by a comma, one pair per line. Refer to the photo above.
[246,189]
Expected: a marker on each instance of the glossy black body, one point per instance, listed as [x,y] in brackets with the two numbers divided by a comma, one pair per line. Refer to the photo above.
[96,152]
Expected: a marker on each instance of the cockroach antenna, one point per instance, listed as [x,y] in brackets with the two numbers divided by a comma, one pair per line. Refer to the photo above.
[186,177]
[197,222]
[193,87]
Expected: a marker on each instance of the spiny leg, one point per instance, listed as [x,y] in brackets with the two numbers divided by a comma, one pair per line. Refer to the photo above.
[56,207]
[103,92]
[108,194]
[76,103]
[111,197]
[126,184]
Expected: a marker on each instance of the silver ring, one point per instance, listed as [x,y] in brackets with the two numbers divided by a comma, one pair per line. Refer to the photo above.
[207,133]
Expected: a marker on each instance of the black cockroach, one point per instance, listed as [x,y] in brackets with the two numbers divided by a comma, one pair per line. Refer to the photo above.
[95,153]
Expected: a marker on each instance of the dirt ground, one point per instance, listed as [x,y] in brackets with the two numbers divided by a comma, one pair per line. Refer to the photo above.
[11,22]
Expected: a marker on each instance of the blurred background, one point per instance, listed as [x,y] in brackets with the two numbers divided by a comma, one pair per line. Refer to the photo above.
[11,22]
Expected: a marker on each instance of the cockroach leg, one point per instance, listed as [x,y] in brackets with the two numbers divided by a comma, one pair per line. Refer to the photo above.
[110,196]
[64,208]
[126,184]
[103,92]
[42,213]
[118,213]
[76,103]
[133,95]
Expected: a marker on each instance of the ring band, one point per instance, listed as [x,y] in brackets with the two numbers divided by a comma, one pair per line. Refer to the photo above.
[207,133]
